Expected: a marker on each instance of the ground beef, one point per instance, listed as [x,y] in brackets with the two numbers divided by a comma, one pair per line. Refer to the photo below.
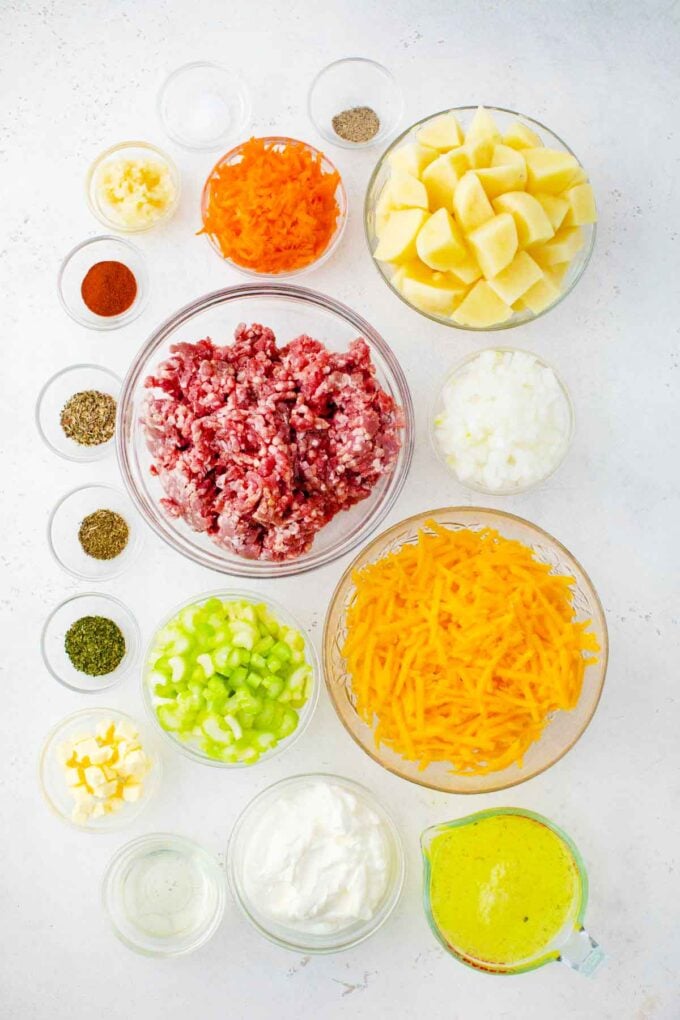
[260,446]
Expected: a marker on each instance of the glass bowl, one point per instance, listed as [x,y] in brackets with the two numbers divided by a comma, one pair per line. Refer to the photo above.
[305,713]
[563,729]
[233,156]
[81,259]
[352,82]
[54,632]
[290,938]
[130,150]
[438,407]
[203,106]
[290,311]
[64,525]
[54,395]
[53,783]
[381,174]
[181,888]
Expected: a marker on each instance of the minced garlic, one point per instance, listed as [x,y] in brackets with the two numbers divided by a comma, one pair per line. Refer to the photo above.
[134,193]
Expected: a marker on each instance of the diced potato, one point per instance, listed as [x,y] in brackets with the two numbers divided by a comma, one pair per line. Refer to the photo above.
[467,270]
[508,172]
[582,207]
[481,308]
[440,179]
[460,160]
[550,170]
[541,295]
[398,239]
[438,293]
[519,136]
[482,126]
[479,152]
[494,244]
[533,226]
[412,158]
[470,204]
[440,243]
[442,132]
[407,192]
[554,207]
[504,155]
[580,177]
[517,278]
[383,208]
[557,272]
[560,248]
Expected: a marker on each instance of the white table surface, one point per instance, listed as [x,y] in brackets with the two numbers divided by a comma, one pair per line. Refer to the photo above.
[76,77]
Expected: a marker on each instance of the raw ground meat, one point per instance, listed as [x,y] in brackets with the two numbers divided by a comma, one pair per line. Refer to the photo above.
[260,446]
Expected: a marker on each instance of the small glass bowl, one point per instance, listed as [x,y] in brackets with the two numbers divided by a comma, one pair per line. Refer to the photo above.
[290,938]
[53,783]
[203,106]
[438,407]
[345,84]
[54,632]
[80,260]
[54,395]
[305,713]
[340,195]
[64,524]
[130,150]
[150,862]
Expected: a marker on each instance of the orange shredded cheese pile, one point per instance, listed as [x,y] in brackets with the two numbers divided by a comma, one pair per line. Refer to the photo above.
[460,647]
[275,209]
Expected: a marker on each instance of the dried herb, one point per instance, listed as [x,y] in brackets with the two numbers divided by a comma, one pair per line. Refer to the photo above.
[103,534]
[95,645]
[359,124]
[89,417]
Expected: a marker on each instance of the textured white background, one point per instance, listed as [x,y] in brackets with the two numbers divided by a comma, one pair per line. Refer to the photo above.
[78,76]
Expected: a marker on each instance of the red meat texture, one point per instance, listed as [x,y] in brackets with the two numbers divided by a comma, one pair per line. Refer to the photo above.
[260,446]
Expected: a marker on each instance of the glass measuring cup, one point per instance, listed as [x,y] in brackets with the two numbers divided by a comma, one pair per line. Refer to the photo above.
[571,945]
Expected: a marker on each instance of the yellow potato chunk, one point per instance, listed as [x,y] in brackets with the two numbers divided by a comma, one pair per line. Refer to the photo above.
[517,278]
[541,295]
[470,204]
[508,172]
[460,160]
[440,180]
[467,270]
[582,207]
[398,239]
[479,152]
[442,132]
[560,248]
[555,208]
[412,158]
[550,170]
[432,292]
[494,244]
[407,192]
[383,208]
[557,272]
[519,136]
[533,226]
[440,243]
[483,126]
[481,308]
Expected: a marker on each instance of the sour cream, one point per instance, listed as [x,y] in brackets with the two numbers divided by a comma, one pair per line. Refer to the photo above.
[317,859]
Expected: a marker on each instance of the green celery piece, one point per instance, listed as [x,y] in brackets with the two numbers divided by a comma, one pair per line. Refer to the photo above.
[274,664]
[217,684]
[244,635]
[254,679]
[178,665]
[273,685]
[206,663]
[264,645]
[265,740]
[257,661]
[288,723]
[221,658]
[168,718]
[238,677]
[281,651]
[234,725]
[164,691]
[212,605]
[217,730]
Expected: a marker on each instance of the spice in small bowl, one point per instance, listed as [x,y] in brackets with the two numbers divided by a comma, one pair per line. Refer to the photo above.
[354,103]
[103,534]
[94,532]
[358,124]
[76,412]
[95,645]
[109,288]
[103,283]
[89,417]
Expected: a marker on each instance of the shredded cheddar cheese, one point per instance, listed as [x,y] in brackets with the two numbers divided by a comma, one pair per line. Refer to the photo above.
[460,647]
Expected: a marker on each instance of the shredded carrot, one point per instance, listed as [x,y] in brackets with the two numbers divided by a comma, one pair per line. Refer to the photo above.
[461,646]
[275,209]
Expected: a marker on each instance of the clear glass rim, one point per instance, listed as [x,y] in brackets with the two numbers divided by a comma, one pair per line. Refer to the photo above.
[522,967]
[111,151]
[124,666]
[151,783]
[71,570]
[104,447]
[305,713]
[421,518]
[193,65]
[443,320]
[304,943]
[382,133]
[142,279]
[340,195]
[259,568]
[165,838]
[437,402]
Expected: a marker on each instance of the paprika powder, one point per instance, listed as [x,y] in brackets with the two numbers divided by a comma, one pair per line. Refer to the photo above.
[109,288]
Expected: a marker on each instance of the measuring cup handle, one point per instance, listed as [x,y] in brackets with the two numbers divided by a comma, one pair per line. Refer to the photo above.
[581,952]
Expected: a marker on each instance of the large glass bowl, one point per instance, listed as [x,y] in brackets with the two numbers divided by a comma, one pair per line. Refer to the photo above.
[289,311]
[465,114]
[563,729]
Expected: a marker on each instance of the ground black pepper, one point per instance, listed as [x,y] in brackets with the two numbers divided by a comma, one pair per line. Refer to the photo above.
[89,417]
[95,645]
[103,534]
[359,124]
